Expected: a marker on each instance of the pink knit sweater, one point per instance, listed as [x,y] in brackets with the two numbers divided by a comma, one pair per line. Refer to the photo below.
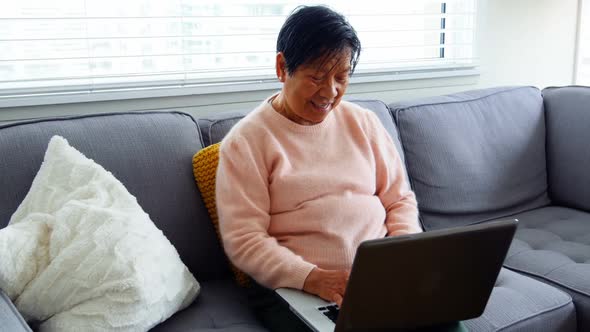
[292,197]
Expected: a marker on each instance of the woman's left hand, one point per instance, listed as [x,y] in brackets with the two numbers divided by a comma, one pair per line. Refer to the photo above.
[327,284]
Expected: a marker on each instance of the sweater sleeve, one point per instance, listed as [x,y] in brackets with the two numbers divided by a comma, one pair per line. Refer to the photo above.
[392,187]
[243,206]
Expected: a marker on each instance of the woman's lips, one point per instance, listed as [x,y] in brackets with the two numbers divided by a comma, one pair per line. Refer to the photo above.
[321,107]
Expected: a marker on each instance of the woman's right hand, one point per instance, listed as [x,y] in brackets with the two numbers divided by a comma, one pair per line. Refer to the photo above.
[327,284]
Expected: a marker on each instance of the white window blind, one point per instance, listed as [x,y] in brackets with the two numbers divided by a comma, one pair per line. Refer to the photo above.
[65,46]
[582,75]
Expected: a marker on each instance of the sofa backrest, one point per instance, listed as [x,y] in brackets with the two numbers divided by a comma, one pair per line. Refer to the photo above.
[150,153]
[216,126]
[568,145]
[476,155]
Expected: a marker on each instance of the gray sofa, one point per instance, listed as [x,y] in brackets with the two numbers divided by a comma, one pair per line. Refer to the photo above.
[471,157]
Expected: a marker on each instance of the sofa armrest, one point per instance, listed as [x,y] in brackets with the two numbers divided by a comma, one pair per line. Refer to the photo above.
[568,155]
[10,318]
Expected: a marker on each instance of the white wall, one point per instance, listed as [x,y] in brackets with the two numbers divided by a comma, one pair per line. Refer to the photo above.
[528,42]
[520,42]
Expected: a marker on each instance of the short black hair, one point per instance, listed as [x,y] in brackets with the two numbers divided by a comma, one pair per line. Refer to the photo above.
[312,33]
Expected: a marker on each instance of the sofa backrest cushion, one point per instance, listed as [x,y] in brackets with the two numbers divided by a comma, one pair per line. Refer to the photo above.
[568,145]
[476,155]
[150,153]
[215,127]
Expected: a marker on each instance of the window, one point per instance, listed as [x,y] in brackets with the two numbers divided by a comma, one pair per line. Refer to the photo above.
[69,46]
[582,75]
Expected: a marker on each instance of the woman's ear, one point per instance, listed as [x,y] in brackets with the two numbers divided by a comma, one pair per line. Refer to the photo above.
[280,66]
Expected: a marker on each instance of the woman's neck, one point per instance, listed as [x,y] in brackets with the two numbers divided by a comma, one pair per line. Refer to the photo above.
[277,103]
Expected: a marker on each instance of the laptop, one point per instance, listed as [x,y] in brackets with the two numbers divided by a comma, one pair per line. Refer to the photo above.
[415,280]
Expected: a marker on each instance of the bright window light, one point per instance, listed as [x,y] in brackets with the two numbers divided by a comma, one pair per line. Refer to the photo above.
[65,46]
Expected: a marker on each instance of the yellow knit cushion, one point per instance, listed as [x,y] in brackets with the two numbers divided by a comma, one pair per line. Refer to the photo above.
[205,168]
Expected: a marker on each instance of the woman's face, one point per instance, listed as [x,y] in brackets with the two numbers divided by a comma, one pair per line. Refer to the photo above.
[312,91]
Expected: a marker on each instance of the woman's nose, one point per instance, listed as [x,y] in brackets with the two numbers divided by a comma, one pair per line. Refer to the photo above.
[330,89]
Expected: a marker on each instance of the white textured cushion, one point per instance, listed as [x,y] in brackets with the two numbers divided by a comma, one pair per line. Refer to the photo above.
[80,254]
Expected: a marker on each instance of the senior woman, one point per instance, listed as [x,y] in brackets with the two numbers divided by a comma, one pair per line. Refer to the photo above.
[306,177]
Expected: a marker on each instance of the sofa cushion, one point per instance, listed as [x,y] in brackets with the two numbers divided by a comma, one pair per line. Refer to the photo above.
[553,245]
[519,303]
[150,153]
[568,148]
[221,306]
[476,155]
[214,127]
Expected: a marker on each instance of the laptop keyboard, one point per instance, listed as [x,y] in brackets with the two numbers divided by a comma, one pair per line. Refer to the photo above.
[330,311]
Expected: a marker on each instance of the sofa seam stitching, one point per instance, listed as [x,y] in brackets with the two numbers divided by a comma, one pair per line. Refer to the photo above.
[84,116]
[537,314]
[18,123]
[578,291]
[469,100]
